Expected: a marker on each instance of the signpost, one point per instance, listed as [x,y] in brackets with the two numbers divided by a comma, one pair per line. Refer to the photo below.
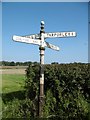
[39,39]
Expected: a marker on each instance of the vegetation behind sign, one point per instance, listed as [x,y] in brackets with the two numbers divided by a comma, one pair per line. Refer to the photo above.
[67,93]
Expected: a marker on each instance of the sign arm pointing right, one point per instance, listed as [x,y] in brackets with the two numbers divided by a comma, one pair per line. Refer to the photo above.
[51,46]
[60,34]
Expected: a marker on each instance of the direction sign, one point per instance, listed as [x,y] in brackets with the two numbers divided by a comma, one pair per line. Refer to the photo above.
[51,46]
[26,40]
[33,41]
[35,36]
[60,34]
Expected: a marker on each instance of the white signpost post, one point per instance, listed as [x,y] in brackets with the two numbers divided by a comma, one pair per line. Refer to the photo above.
[39,39]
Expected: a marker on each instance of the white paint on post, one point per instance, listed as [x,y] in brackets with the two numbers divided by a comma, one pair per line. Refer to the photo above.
[41,80]
[42,49]
[42,40]
[42,59]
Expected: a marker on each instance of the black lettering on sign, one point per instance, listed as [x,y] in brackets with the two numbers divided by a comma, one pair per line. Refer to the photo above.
[68,33]
[65,34]
[57,34]
[49,35]
[31,37]
[72,33]
[60,34]
[54,34]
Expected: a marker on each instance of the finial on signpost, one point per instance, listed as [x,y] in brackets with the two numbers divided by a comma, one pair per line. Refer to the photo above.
[42,22]
[42,27]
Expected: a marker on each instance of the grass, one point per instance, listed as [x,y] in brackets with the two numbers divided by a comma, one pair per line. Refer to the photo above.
[12,82]
[12,91]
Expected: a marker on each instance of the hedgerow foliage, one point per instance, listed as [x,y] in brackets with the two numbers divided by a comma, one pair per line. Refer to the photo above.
[66,90]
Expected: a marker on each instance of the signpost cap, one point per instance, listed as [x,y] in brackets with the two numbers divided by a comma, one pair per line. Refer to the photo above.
[42,22]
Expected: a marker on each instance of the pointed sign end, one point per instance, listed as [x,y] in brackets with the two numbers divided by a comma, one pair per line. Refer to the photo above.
[14,37]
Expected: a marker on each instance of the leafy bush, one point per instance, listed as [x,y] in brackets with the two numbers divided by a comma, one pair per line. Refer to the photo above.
[66,90]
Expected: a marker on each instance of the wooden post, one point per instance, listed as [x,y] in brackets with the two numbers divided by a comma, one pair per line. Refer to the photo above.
[42,49]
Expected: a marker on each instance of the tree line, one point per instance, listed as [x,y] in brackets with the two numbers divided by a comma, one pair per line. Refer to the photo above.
[27,63]
[12,63]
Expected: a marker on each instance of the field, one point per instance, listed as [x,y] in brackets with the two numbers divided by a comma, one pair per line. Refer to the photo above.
[12,78]
[13,69]
[12,84]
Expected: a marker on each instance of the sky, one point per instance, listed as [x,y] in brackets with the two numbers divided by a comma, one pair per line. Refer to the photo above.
[23,18]
[0,31]
[45,0]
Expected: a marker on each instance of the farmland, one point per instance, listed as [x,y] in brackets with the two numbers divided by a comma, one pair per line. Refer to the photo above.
[12,82]
[12,69]
[13,79]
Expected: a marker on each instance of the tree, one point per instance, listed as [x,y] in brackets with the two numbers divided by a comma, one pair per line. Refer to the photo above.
[12,63]
[54,63]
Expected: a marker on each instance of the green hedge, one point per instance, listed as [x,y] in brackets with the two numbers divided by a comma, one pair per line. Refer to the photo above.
[67,92]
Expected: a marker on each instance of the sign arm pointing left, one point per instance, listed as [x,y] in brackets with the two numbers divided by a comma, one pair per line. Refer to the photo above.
[26,40]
